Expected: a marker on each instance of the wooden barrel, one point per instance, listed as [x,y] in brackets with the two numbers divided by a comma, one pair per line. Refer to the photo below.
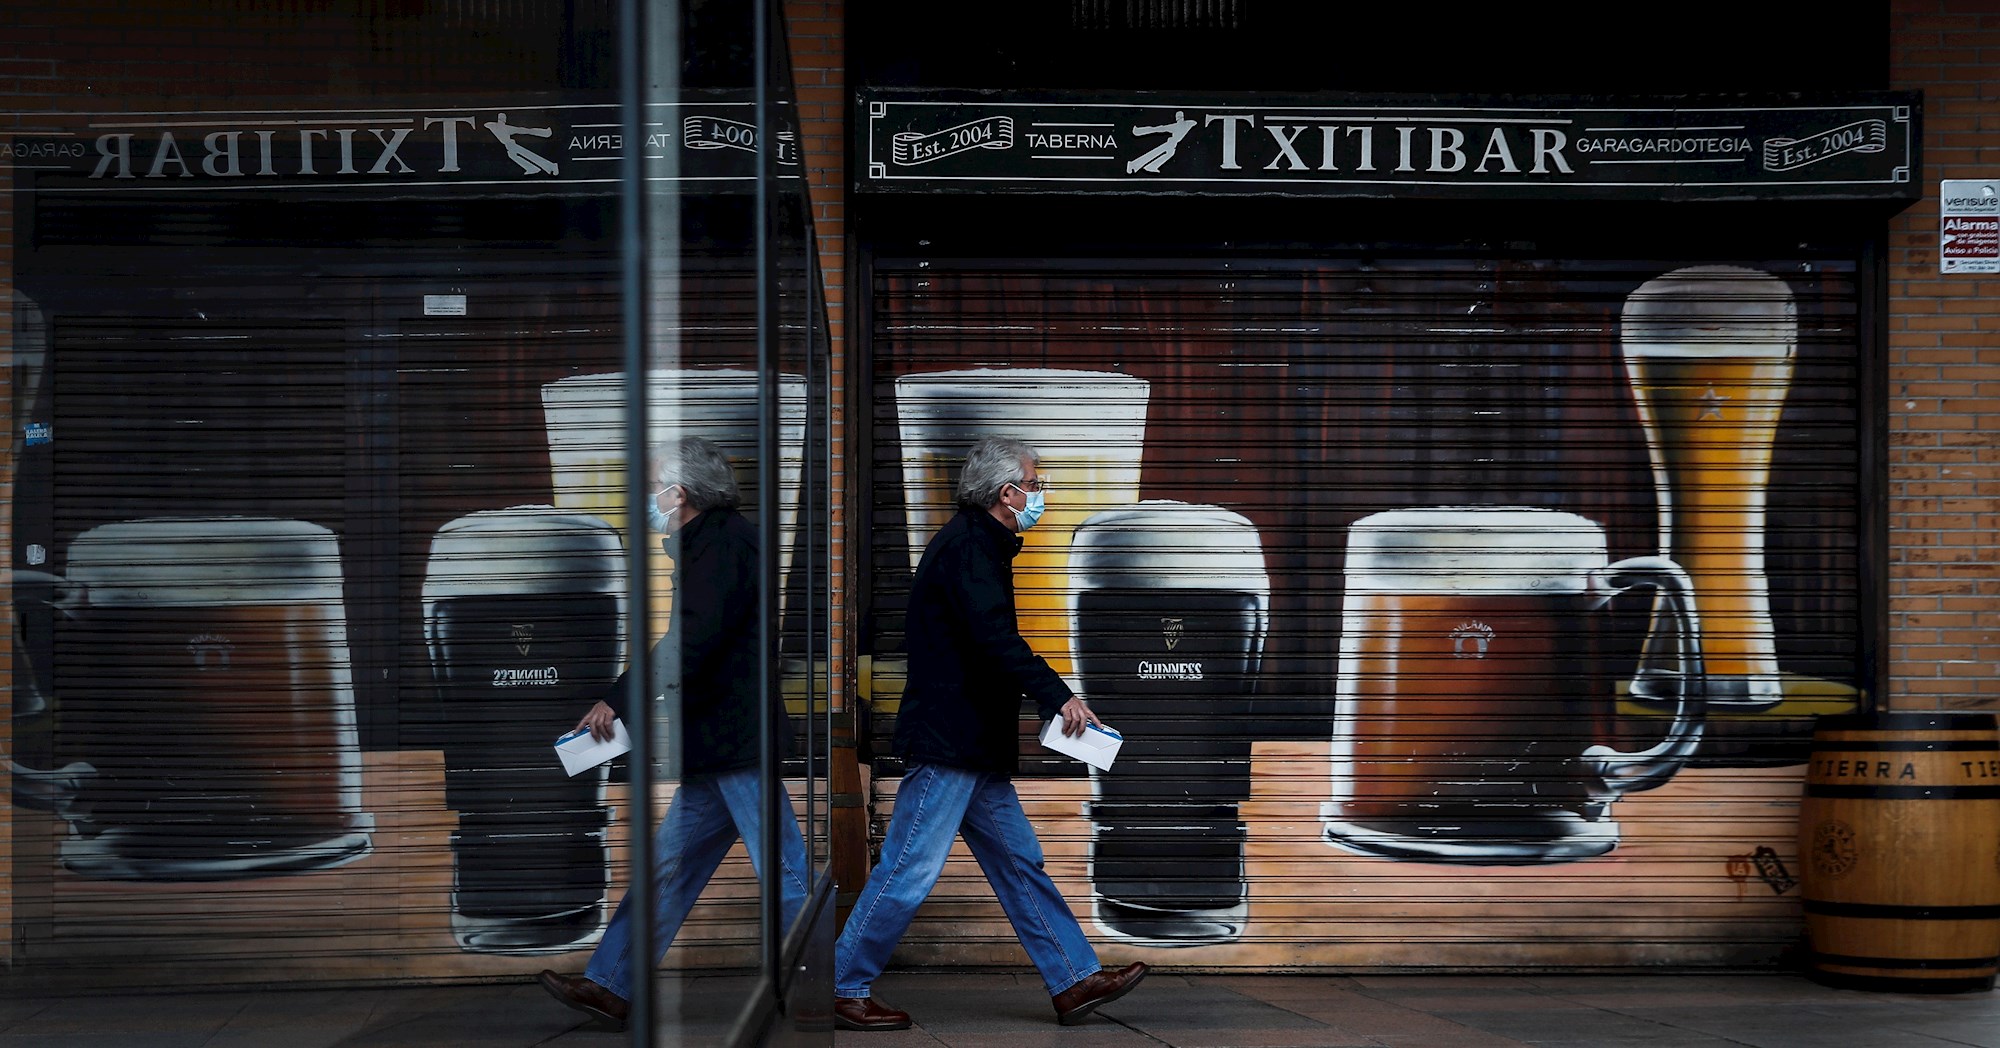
[849,817]
[1900,835]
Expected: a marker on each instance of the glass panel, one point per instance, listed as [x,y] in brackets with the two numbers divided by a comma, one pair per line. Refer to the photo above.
[737,358]
[340,535]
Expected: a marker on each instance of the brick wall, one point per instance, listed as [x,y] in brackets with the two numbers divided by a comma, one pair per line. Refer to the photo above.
[819,67]
[1944,378]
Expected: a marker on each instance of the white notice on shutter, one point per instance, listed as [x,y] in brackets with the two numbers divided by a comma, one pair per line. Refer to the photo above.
[444,305]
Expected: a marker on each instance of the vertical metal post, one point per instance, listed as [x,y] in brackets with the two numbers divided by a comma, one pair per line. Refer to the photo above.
[636,311]
[1872,353]
[768,408]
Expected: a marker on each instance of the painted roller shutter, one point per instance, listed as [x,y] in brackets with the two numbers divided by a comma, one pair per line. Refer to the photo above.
[329,570]
[1405,580]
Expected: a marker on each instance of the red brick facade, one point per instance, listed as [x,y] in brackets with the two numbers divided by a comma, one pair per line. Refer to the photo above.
[1943,386]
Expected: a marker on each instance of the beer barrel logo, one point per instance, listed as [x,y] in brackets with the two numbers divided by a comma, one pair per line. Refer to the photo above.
[1834,852]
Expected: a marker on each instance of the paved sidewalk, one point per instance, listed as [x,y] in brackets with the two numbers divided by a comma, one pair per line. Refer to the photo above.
[1001,1010]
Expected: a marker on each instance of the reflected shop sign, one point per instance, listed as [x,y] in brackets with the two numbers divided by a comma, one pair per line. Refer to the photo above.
[1355,145]
[509,143]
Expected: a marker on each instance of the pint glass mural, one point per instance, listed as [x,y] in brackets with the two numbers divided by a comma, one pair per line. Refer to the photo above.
[1506,563]
[1709,350]
[522,618]
[1089,428]
[1169,611]
[585,415]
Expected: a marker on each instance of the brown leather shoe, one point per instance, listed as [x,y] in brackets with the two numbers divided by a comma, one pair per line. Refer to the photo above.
[1076,1003]
[586,996]
[862,1013]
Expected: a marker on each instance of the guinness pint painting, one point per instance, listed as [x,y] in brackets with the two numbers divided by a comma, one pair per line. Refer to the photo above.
[1441,603]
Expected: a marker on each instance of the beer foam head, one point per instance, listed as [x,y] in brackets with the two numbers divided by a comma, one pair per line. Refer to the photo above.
[948,411]
[1160,544]
[208,562]
[1473,549]
[523,550]
[585,417]
[1711,311]
[585,414]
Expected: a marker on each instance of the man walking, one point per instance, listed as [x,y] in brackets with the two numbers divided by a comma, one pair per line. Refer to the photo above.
[710,655]
[957,731]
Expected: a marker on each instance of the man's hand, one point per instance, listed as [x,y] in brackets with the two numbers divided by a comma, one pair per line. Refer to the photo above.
[598,720]
[1076,715]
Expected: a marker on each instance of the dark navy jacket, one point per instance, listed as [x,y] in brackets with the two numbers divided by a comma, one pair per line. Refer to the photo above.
[710,647]
[969,666]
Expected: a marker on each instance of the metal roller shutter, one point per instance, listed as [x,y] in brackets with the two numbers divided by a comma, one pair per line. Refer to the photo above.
[319,596]
[1405,579]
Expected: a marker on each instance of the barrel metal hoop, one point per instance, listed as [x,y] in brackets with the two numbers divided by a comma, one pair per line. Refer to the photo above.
[1906,963]
[1828,747]
[1890,911]
[1883,721]
[1904,793]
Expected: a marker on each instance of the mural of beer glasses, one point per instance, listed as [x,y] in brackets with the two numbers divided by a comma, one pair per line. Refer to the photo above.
[1088,426]
[523,616]
[1474,678]
[207,680]
[1709,352]
[1167,621]
[585,415]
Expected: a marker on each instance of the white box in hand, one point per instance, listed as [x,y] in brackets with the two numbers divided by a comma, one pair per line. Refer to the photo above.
[1097,746]
[580,751]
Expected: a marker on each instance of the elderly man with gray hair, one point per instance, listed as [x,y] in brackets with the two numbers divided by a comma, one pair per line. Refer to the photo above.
[958,732]
[710,656]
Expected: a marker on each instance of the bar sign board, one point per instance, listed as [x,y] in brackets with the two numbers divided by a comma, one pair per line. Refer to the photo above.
[1858,147]
[1969,225]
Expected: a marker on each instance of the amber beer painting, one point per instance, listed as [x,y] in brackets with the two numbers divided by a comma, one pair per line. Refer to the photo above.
[207,681]
[1709,351]
[585,416]
[1474,689]
[1089,428]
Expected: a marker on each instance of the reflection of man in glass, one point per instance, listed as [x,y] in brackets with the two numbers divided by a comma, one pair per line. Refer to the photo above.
[958,730]
[710,655]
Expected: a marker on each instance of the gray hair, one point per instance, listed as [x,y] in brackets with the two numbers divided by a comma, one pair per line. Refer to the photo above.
[701,470]
[992,464]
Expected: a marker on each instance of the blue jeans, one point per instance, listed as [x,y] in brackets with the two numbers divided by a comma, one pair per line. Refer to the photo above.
[708,813]
[933,805]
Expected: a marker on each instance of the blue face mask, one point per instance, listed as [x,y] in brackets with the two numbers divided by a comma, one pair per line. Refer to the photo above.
[656,518]
[1026,516]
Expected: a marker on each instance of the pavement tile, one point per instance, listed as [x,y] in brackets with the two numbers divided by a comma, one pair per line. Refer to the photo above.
[1681,1039]
[16,1009]
[103,1040]
[1282,987]
[1201,1006]
[1403,985]
[170,1017]
[1109,1035]
[1318,1035]
[1769,1027]
[912,1038]
[1010,1010]
[1564,1024]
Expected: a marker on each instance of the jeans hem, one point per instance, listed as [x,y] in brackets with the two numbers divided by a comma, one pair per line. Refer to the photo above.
[1073,983]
